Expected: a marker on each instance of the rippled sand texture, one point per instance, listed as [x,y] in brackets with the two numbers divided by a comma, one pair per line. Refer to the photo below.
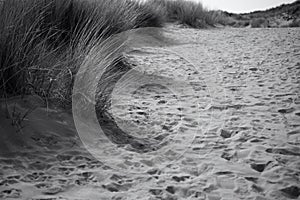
[241,109]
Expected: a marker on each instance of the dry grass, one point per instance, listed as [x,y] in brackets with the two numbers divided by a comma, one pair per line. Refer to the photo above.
[187,12]
[43,42]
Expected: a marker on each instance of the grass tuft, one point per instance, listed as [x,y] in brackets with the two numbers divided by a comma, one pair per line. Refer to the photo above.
[43,42]
[187,12]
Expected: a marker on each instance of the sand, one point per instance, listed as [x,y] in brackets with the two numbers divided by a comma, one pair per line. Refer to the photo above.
[229,123]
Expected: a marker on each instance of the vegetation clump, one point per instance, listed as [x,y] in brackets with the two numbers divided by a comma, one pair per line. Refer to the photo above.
[43,42]
[187,12]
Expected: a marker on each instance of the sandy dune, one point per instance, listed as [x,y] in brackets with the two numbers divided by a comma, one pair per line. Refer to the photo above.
[229,122]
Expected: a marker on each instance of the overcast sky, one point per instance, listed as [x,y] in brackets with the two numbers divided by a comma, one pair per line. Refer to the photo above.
[241,6]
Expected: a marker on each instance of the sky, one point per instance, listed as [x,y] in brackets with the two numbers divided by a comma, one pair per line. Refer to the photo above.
[242,6]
